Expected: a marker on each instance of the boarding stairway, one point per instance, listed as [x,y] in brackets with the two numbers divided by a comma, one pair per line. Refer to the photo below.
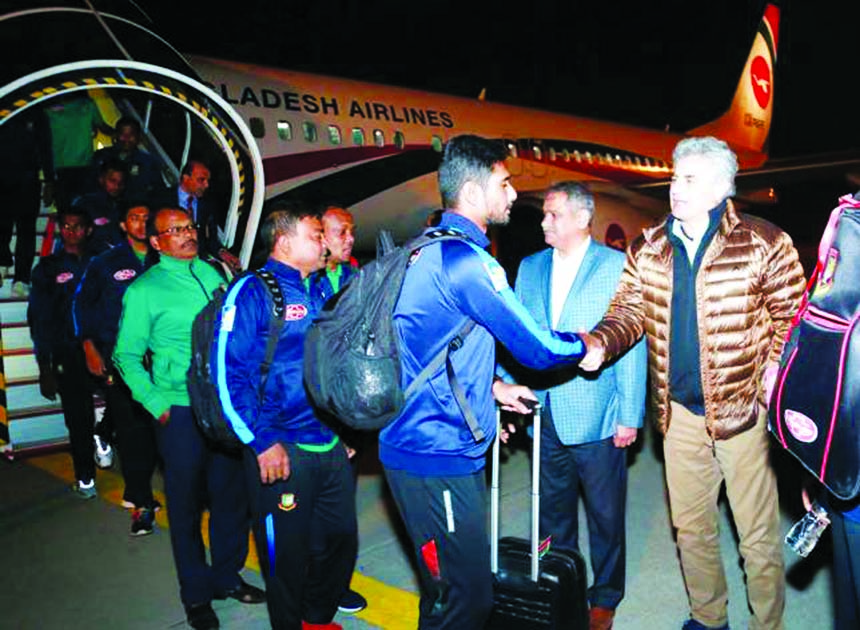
[28,422]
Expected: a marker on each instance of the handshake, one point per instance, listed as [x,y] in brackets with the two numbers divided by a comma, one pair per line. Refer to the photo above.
[595,353]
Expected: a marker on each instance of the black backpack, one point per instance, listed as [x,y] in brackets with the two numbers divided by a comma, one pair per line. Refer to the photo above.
[351,354]
[815,405]
[202,381]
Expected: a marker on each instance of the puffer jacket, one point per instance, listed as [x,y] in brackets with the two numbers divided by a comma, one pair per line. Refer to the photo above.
[748,288]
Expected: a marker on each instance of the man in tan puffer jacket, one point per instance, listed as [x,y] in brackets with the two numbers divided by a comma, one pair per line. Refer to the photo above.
[714,292]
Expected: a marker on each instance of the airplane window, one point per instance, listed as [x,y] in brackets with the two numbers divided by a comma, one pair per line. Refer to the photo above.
[399,140]
[512,149]
[358,136]
[258,127]
[309,130]
[334,134]
[378,138]
[537,152]
[551,154]
[285,130]
[436,143]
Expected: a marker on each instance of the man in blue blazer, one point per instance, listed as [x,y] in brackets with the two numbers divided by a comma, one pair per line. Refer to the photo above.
[587,421]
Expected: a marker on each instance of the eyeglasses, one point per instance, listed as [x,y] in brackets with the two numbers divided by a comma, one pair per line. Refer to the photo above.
[176,230]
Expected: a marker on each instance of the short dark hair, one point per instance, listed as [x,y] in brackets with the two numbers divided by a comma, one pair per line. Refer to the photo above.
[189,167]
[112,164]
[134,202]
[467,158]
[74,211]
[128,121]
[282,218]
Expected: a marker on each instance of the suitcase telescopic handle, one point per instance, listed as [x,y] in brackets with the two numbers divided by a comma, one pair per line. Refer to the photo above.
[535,494]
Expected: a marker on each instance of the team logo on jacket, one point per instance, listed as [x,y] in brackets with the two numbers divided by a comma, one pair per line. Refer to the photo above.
[101,220]
[295,312]
[288,502]
[124,274]
[801,426]
[64,277]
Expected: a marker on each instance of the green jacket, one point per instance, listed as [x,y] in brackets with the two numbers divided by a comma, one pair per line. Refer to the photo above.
[158,310]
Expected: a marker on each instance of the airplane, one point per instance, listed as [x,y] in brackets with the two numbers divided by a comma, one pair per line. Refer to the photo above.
[373,148]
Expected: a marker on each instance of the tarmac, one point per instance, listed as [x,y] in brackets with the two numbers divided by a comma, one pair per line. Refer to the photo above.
[70,564]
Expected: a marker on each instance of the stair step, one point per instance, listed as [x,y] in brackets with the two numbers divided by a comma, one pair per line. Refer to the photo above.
[12,310]
[21,365]
[21,396]
[38,431]
[16,338]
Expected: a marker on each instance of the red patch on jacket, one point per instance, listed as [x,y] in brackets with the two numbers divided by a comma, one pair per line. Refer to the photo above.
[294,312]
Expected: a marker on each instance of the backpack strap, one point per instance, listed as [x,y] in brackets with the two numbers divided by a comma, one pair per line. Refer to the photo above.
[276,323]
[444,357]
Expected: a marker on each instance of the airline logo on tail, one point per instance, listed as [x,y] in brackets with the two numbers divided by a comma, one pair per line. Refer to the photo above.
[760,78]
[747,123]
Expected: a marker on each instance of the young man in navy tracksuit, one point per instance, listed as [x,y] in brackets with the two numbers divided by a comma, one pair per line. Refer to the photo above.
[432,462]
[298,473]
[97,309]
[58,353]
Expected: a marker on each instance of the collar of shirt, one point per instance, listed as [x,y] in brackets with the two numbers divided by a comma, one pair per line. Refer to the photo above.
[691,244]
[460,223]
[564,270]
[184,198]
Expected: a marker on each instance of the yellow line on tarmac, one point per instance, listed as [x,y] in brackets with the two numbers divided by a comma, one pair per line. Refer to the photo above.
[389,608]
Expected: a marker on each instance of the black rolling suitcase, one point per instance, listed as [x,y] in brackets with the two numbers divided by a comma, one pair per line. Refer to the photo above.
[532,592]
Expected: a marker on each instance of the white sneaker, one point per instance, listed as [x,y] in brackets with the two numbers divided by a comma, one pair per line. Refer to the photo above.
[85,490]
[103,453]
[20,289]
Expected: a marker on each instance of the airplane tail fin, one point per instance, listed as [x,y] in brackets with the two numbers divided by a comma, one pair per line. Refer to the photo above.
[746,124]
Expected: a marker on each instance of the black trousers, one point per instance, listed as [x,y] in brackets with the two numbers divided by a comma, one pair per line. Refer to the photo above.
[446,518]
[596,471]
[76,398]
[21,200]
[306,534]
[135,439]
[197,477]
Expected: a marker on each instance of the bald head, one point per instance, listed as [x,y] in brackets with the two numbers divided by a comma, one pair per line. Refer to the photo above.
[338,234]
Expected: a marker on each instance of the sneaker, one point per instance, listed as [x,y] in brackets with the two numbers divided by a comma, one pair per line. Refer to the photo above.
[85,489]
[142,521]
[351,602]
[20,289]
[103,453]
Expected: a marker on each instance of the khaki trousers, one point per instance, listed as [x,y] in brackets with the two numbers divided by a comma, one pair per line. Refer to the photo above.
[696,467]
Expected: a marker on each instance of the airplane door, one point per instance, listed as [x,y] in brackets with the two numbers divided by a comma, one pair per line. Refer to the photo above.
[73,50]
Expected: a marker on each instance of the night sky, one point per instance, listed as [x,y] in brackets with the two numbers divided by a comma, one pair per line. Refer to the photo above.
[651,63]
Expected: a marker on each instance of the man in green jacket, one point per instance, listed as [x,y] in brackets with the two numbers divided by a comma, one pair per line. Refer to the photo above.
[158,311]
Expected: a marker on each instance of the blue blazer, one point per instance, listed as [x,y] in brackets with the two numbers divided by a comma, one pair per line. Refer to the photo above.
[585,407]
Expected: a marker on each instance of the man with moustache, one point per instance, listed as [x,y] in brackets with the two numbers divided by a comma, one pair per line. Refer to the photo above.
[433,462]
[158,312]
